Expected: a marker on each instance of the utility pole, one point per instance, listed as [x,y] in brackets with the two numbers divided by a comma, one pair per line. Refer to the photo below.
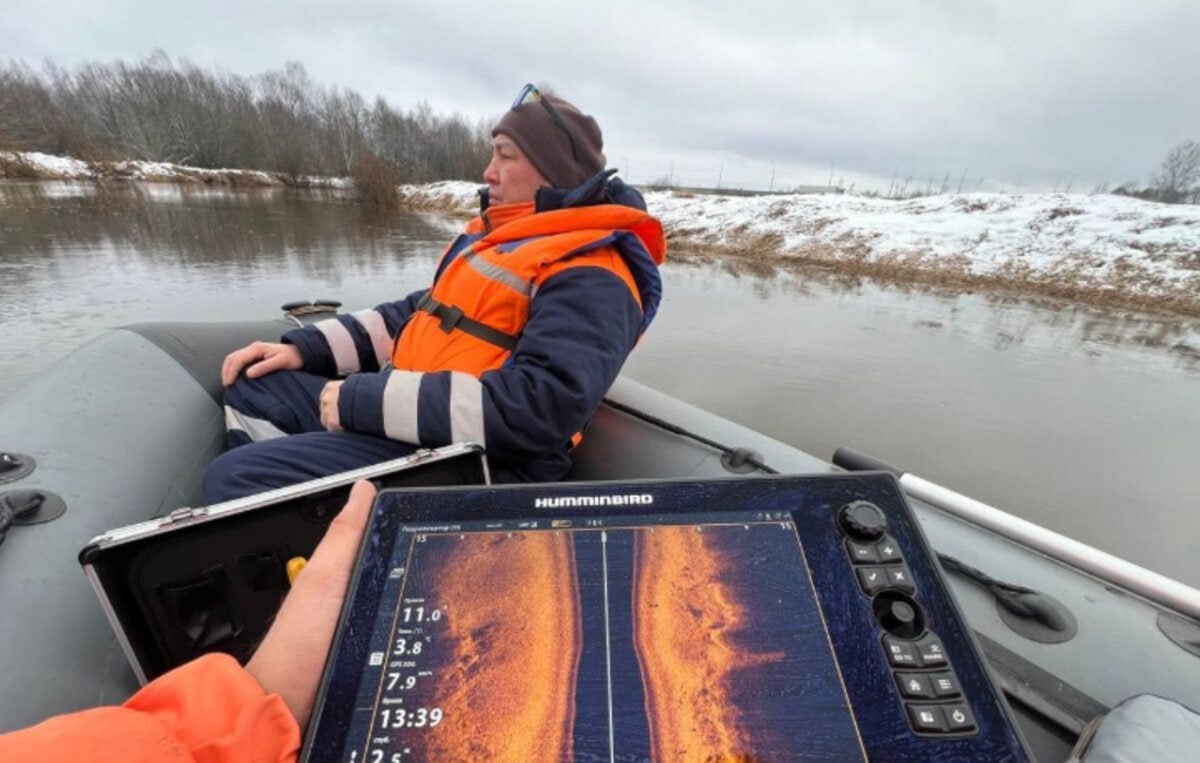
[771,186]
[720,174]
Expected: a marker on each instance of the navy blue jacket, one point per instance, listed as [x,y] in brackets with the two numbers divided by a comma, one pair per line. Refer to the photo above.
[582,324]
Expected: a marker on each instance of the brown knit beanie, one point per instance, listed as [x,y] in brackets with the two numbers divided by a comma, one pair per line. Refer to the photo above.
[545,140]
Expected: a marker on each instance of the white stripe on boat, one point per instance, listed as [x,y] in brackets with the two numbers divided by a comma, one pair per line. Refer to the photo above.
[1099,564]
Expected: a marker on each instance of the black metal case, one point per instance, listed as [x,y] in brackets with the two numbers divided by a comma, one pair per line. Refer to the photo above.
[211,578]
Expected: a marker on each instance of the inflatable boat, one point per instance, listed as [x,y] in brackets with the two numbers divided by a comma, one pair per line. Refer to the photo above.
[121,430]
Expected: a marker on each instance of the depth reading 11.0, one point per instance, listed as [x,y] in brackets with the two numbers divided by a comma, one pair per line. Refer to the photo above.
[399,718]
[418,615]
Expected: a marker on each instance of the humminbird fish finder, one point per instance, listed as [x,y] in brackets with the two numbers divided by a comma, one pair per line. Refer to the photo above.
[766,619]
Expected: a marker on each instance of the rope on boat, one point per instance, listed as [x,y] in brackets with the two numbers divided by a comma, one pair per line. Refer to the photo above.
[739,455]
[1004,593]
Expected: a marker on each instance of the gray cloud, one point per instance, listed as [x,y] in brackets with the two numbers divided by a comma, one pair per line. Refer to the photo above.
[1025,93]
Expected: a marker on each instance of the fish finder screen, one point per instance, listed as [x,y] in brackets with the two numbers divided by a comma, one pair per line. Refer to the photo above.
[667,636]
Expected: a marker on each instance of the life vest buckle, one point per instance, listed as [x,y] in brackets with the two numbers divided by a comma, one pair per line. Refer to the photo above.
[448,318]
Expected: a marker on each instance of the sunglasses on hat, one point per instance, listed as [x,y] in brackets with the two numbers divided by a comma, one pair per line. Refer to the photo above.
[530,92]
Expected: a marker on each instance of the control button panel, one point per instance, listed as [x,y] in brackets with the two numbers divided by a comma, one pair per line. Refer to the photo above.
[928,688]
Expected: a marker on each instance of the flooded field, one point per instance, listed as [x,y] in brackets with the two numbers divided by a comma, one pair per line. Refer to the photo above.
[1083,420]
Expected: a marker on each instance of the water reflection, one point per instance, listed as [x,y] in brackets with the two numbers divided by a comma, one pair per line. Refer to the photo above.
[203,227]
[1090,329]
[76,258]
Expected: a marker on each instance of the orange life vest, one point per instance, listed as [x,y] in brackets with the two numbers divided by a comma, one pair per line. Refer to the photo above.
[479,302]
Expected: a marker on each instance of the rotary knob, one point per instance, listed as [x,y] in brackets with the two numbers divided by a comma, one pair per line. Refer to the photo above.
[863,520]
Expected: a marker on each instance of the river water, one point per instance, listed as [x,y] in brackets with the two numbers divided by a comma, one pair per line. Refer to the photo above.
[1085,421]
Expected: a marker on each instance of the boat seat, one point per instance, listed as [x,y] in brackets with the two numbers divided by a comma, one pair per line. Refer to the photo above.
[1141,728]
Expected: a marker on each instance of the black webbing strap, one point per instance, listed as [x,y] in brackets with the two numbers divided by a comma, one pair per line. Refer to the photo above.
[452,318]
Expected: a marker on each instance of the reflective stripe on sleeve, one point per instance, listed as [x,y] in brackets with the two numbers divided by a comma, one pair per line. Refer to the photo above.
[466,409]
[400,396]
[256,429]
[345,355]
[380,341]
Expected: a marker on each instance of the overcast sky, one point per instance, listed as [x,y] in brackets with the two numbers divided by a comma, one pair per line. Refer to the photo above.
[996,95]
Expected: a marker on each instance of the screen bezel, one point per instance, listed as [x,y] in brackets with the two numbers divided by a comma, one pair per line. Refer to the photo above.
[805,497]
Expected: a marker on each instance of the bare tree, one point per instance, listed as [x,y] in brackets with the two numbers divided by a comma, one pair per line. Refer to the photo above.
[1179,173]
[282,121]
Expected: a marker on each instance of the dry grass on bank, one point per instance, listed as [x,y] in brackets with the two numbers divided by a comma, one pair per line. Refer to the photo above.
[376,182]
[850,258]
[428,198]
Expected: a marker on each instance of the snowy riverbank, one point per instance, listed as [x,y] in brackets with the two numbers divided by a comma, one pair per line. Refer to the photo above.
[34,165]
[1100,249]
[1094,248]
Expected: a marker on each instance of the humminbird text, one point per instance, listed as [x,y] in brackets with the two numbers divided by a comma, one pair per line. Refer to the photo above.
[643,499]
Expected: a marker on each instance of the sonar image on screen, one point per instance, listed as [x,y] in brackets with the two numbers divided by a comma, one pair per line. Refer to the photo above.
[648,640]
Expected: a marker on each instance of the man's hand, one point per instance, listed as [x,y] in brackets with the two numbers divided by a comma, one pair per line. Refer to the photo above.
[329,406]
[260,359]
[292,654]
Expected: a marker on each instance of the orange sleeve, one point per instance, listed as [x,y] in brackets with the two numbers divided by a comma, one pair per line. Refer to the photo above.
[207,711]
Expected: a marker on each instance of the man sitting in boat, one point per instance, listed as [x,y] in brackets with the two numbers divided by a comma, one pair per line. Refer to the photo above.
[531,314]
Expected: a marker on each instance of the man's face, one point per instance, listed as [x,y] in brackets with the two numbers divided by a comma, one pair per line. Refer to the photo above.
[510,176]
